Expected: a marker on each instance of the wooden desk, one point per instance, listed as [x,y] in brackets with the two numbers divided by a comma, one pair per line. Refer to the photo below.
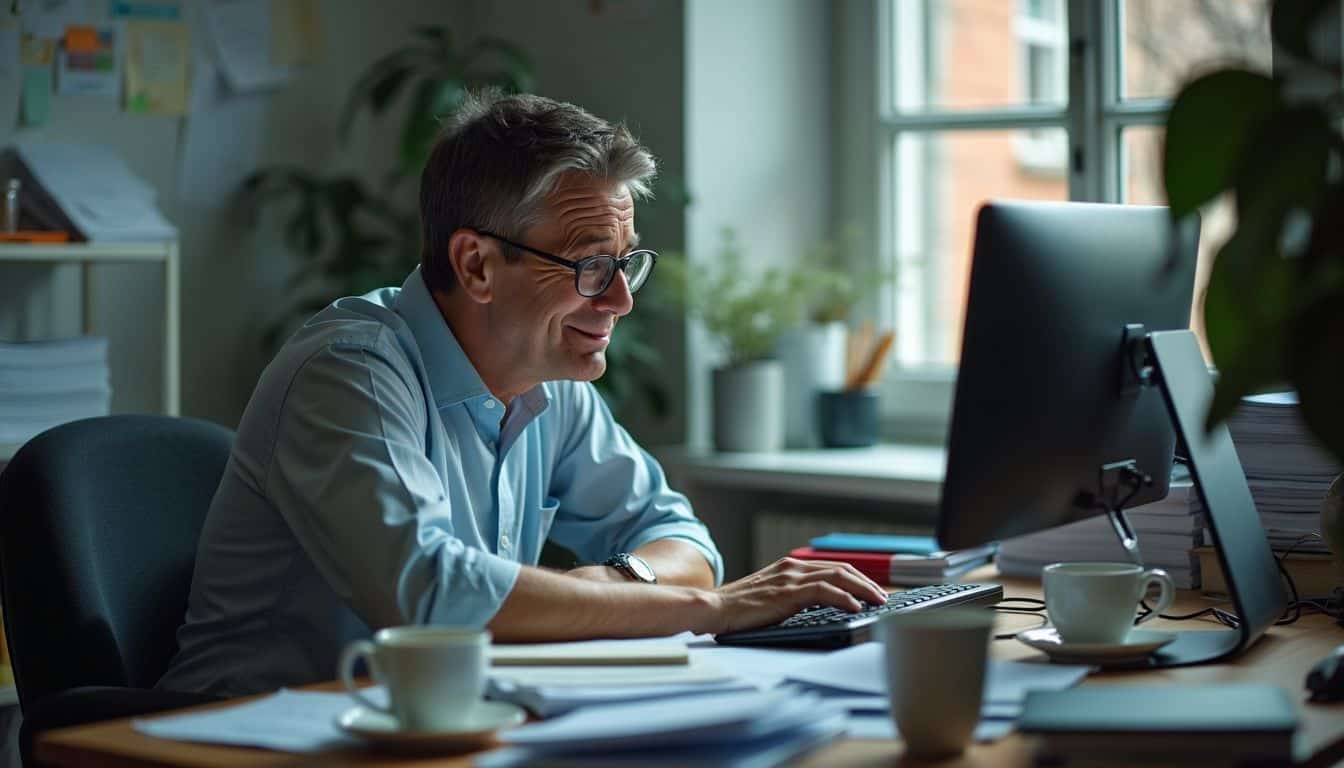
[1282,658]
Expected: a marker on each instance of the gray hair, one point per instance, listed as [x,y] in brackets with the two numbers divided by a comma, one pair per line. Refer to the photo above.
[500,156]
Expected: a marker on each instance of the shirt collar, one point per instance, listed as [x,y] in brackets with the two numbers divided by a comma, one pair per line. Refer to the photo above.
[452,377]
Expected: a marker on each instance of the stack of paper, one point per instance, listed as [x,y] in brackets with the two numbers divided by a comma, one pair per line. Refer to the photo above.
[101,195]
[1168,532]
[754,727]
[46,383]
[896,559]
[1288,473]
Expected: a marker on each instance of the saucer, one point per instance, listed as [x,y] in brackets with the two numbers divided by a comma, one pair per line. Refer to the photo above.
[1139,645]
[381,729]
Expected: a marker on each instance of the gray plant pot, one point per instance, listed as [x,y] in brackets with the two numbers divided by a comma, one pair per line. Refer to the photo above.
[749,407]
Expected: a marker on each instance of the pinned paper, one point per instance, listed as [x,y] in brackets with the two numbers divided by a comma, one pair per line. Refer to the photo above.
[156,67]
[296,32]
[36,100]
[35,56]
[92,67]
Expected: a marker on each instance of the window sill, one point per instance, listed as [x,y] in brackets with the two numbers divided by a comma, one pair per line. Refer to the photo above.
[903,472]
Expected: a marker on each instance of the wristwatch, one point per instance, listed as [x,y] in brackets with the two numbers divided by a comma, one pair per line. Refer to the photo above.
[633,566]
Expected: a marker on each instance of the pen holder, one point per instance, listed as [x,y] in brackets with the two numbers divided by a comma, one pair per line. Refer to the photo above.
[848,418]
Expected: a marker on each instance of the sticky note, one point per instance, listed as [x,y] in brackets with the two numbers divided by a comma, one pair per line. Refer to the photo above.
[81,39]
[36,101]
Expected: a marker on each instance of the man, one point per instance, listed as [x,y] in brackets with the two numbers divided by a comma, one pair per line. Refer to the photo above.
[406,454]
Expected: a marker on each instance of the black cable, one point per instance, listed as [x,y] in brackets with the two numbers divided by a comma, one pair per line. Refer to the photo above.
[1037,609]
[1292,612]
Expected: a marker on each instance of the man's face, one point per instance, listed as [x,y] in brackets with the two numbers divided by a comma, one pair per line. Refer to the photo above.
[551,331]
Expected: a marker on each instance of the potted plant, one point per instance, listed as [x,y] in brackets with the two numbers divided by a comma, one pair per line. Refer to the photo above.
[745,312]
[1274,307]
[814,351]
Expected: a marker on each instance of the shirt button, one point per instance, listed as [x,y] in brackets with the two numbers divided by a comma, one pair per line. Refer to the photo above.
[489,403]
[504,542]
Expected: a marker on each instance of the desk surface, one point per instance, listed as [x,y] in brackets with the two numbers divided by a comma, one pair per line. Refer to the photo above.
[1282,658]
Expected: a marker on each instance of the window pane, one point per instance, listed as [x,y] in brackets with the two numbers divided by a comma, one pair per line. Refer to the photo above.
[1141,161]
[1168,41]
[940,180]
[968,54]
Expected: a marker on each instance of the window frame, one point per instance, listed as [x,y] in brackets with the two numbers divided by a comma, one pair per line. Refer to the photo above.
[917,401]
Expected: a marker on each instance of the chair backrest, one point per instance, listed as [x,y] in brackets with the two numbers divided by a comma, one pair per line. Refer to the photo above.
[99,522]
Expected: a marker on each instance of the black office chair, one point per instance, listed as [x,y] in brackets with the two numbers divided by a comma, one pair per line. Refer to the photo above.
[99,521]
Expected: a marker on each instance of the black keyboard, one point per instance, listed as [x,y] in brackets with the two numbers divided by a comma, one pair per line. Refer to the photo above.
[819,627]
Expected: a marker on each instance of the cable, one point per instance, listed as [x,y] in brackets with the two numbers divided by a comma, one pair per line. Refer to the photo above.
[1333,606]
[1037,609]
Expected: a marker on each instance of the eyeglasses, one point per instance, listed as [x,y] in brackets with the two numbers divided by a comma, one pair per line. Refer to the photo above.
[593,275]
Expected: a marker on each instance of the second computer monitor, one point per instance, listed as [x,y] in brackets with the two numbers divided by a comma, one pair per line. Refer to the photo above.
[1041,401]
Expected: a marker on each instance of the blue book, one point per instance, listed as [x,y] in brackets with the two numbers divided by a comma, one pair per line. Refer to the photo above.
[871,542]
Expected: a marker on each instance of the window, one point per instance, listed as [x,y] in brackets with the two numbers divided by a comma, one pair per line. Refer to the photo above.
[982,99]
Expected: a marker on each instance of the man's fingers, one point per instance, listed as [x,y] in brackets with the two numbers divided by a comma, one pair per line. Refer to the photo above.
[874,592]
[849,580]
[825,593]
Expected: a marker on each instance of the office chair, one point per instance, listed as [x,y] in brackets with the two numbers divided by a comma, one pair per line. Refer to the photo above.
[99,521]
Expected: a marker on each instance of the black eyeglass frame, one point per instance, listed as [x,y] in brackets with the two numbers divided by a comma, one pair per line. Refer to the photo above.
[618,262]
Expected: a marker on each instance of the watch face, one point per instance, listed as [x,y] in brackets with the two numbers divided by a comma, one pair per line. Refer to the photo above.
[641,569]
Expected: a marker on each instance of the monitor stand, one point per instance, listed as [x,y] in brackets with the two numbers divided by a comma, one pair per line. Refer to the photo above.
[1251,572]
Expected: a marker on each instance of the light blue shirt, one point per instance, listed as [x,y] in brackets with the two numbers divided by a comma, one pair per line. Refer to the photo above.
[375,481]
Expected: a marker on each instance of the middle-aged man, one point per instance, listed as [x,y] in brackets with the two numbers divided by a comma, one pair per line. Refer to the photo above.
[407,452]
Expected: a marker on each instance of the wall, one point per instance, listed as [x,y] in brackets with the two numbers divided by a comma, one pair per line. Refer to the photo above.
[232,278]
[622,60]
[758,143]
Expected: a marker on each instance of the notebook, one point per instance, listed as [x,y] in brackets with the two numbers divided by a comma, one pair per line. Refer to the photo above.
[1213,723]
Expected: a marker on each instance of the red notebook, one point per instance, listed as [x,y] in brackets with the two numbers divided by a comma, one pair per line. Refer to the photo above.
[874,565]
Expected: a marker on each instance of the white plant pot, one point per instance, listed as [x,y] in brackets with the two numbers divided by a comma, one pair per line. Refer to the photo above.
[813,357]
[749,407]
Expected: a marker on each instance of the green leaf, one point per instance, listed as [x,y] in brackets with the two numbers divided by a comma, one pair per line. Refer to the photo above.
[1292,22]
[1207,131]
[1248,302]
[362,92]
[1317,361]
[1285,162]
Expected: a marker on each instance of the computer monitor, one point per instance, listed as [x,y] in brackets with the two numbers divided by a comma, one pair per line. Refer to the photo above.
[1038,404]
[1075,366]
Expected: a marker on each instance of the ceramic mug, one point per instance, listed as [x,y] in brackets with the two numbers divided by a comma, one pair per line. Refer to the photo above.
[434,676]
[936,662]
[1095,602]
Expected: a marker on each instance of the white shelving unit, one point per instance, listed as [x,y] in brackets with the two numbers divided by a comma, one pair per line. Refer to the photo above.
[87,255]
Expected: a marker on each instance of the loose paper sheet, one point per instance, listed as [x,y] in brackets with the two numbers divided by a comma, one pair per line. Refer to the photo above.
[89,63]
[156,67]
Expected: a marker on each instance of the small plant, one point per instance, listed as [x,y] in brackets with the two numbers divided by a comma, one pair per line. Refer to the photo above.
[832,290]
[745,312]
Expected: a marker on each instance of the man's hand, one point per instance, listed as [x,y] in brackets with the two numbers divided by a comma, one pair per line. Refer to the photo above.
[787,586]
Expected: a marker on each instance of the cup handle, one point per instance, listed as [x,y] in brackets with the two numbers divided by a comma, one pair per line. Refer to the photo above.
[353,653]
[1166,593]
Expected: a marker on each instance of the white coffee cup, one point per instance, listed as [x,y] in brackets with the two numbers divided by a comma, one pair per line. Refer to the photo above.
[1095,602]
[435,676]
[936,676]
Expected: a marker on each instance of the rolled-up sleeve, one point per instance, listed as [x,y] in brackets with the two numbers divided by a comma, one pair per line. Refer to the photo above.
[613,495]
[350,476]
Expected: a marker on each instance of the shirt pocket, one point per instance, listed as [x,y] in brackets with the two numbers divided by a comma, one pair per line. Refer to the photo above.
[546,515]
